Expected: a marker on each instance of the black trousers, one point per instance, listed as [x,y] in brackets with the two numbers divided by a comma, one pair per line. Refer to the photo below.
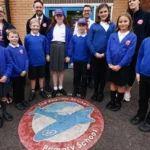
[18,85]
[100,72]
[144,90]
[80,77]
[132,73]
[47,72]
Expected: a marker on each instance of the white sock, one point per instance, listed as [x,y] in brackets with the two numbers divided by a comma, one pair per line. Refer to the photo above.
[55,88]
[60,87]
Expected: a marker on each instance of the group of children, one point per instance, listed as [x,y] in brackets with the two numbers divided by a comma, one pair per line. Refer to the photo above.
[108,46]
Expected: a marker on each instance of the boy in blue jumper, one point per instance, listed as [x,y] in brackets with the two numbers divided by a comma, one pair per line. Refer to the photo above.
[20,67]
[35,47]
[5,72]
[143,77]
[80,59]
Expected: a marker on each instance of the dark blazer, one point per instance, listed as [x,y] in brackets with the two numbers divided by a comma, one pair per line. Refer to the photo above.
[44,25]
[6,27]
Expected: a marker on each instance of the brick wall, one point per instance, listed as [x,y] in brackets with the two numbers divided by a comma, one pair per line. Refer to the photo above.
[146,5]
[119,7]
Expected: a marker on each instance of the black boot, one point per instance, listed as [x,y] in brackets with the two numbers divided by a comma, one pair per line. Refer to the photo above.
[5,114]
[113,98]
[1,122]
[117,105]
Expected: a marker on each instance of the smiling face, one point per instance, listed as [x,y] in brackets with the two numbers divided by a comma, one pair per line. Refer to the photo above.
[59,19]
[38,7]
[35,27]
[86,12]
[81,28]
[13,38]
[103,14]
[123,23]
[134,5]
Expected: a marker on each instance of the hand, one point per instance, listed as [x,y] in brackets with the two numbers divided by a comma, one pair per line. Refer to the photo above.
[88,66]
[67,59]
[110,66]
[97,55]
[47,58]
[3,79]
[23,73]
[102,55]
[116,68]
[72,65]
[138,77]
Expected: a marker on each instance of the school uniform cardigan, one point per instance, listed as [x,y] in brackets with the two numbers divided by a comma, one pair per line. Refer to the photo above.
[68,37]
[35,47]
[143,60]
[97,38]
[141,26]
[43,27]
[19,60]
[120,53]
[80,51]
[5,63]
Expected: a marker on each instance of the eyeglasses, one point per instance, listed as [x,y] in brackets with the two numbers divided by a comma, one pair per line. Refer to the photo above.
[86,10]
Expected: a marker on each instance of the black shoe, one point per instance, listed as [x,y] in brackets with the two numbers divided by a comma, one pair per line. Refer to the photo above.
[109,104]
[31,96]
[115,107]
[25,103]
[54,92]
[48,88]
[145,127]
[7,116]
[63,92]
[94,97]
[43,94]
[136,120]
[74,94]
[100,97]
[20,106]
[82,96]
[1,122]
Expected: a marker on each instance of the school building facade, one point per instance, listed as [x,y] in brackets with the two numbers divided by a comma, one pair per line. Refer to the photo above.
[21,10]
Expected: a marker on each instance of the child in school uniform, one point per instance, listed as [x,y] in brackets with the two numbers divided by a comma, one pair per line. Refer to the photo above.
[120,49]
[35,47]
[5,72]
[57,45]
[143,78]
[97,42]
[20,67]
[80,60]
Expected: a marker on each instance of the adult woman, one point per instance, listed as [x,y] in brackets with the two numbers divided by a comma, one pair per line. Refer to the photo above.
[141,27]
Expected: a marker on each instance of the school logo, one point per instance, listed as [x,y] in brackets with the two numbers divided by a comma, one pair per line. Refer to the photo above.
[21,51]
[128,42]
[140,21]
[44,25]
[62,123]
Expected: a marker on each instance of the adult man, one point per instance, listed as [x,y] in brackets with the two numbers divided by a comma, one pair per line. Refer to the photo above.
[87,11]
[45,22]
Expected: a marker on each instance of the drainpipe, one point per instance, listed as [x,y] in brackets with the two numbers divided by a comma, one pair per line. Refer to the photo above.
[7,11]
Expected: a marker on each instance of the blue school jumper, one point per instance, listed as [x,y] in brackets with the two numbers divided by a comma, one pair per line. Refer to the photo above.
[97,38]
[68,37]
[19,58]
[35,47]
[143,60]
[80,51]
[120,53]
[5,63]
